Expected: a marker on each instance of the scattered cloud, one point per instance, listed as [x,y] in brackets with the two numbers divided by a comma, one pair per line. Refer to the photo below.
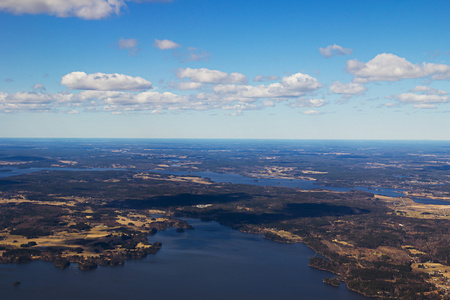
[311,112]
[295,85]
[334,50]
[183,86]
[306,103]
[104,82]
[268,103]
[129,44]
[192,54]
[84,9]
[289,87]
[33,101]
[185,54]
[195,54]
[350,88]
[428,90]
[424,106]
[118,93]
[39,87]
[423,97]
[8,80]
[165,44]
[390,67]
[204,75]
[261,78]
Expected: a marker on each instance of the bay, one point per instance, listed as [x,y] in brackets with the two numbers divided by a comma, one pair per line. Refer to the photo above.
[209,262]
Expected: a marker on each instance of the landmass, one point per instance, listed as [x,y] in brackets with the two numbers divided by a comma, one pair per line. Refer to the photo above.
[380,246]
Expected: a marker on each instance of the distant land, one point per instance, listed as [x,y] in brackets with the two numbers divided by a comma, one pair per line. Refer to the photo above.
[377,212]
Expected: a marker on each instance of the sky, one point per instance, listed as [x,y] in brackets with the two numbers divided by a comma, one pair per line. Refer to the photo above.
[253,69]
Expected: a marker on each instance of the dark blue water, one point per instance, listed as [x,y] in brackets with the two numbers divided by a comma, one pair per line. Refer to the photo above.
[210,262]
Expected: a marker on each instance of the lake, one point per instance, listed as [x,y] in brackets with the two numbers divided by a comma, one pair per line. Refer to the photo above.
[210,262]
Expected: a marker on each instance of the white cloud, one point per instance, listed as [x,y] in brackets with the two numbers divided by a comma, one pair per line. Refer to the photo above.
[268,103]
[424,106]
[85,9]
[307,103]
[415,98]
[350,88]
[104,82]
[26,101]
[389,67]
[237,97]
[165,44]
[39,87]
[295,85]
[211,76]
[130,44]
[183,86]
[311,112]
[423,97]
[261,78]
[334,50]
[428,90]
[118,93]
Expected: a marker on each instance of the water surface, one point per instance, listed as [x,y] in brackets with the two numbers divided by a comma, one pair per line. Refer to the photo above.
[210,262]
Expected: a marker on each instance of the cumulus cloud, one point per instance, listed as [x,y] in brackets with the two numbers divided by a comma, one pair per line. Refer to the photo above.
[84,9]
[423,97]
[295,85]
[347,89]
[261,78]
[129,44]
[118,93]
[183,86]
[204,75]
[334,50]
[33,101]
[428,90]
[237,97]
[390,67]
[165,44]
[104,82]
[307,103]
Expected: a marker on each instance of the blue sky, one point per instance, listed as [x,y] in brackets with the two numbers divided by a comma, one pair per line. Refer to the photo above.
[225,69]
